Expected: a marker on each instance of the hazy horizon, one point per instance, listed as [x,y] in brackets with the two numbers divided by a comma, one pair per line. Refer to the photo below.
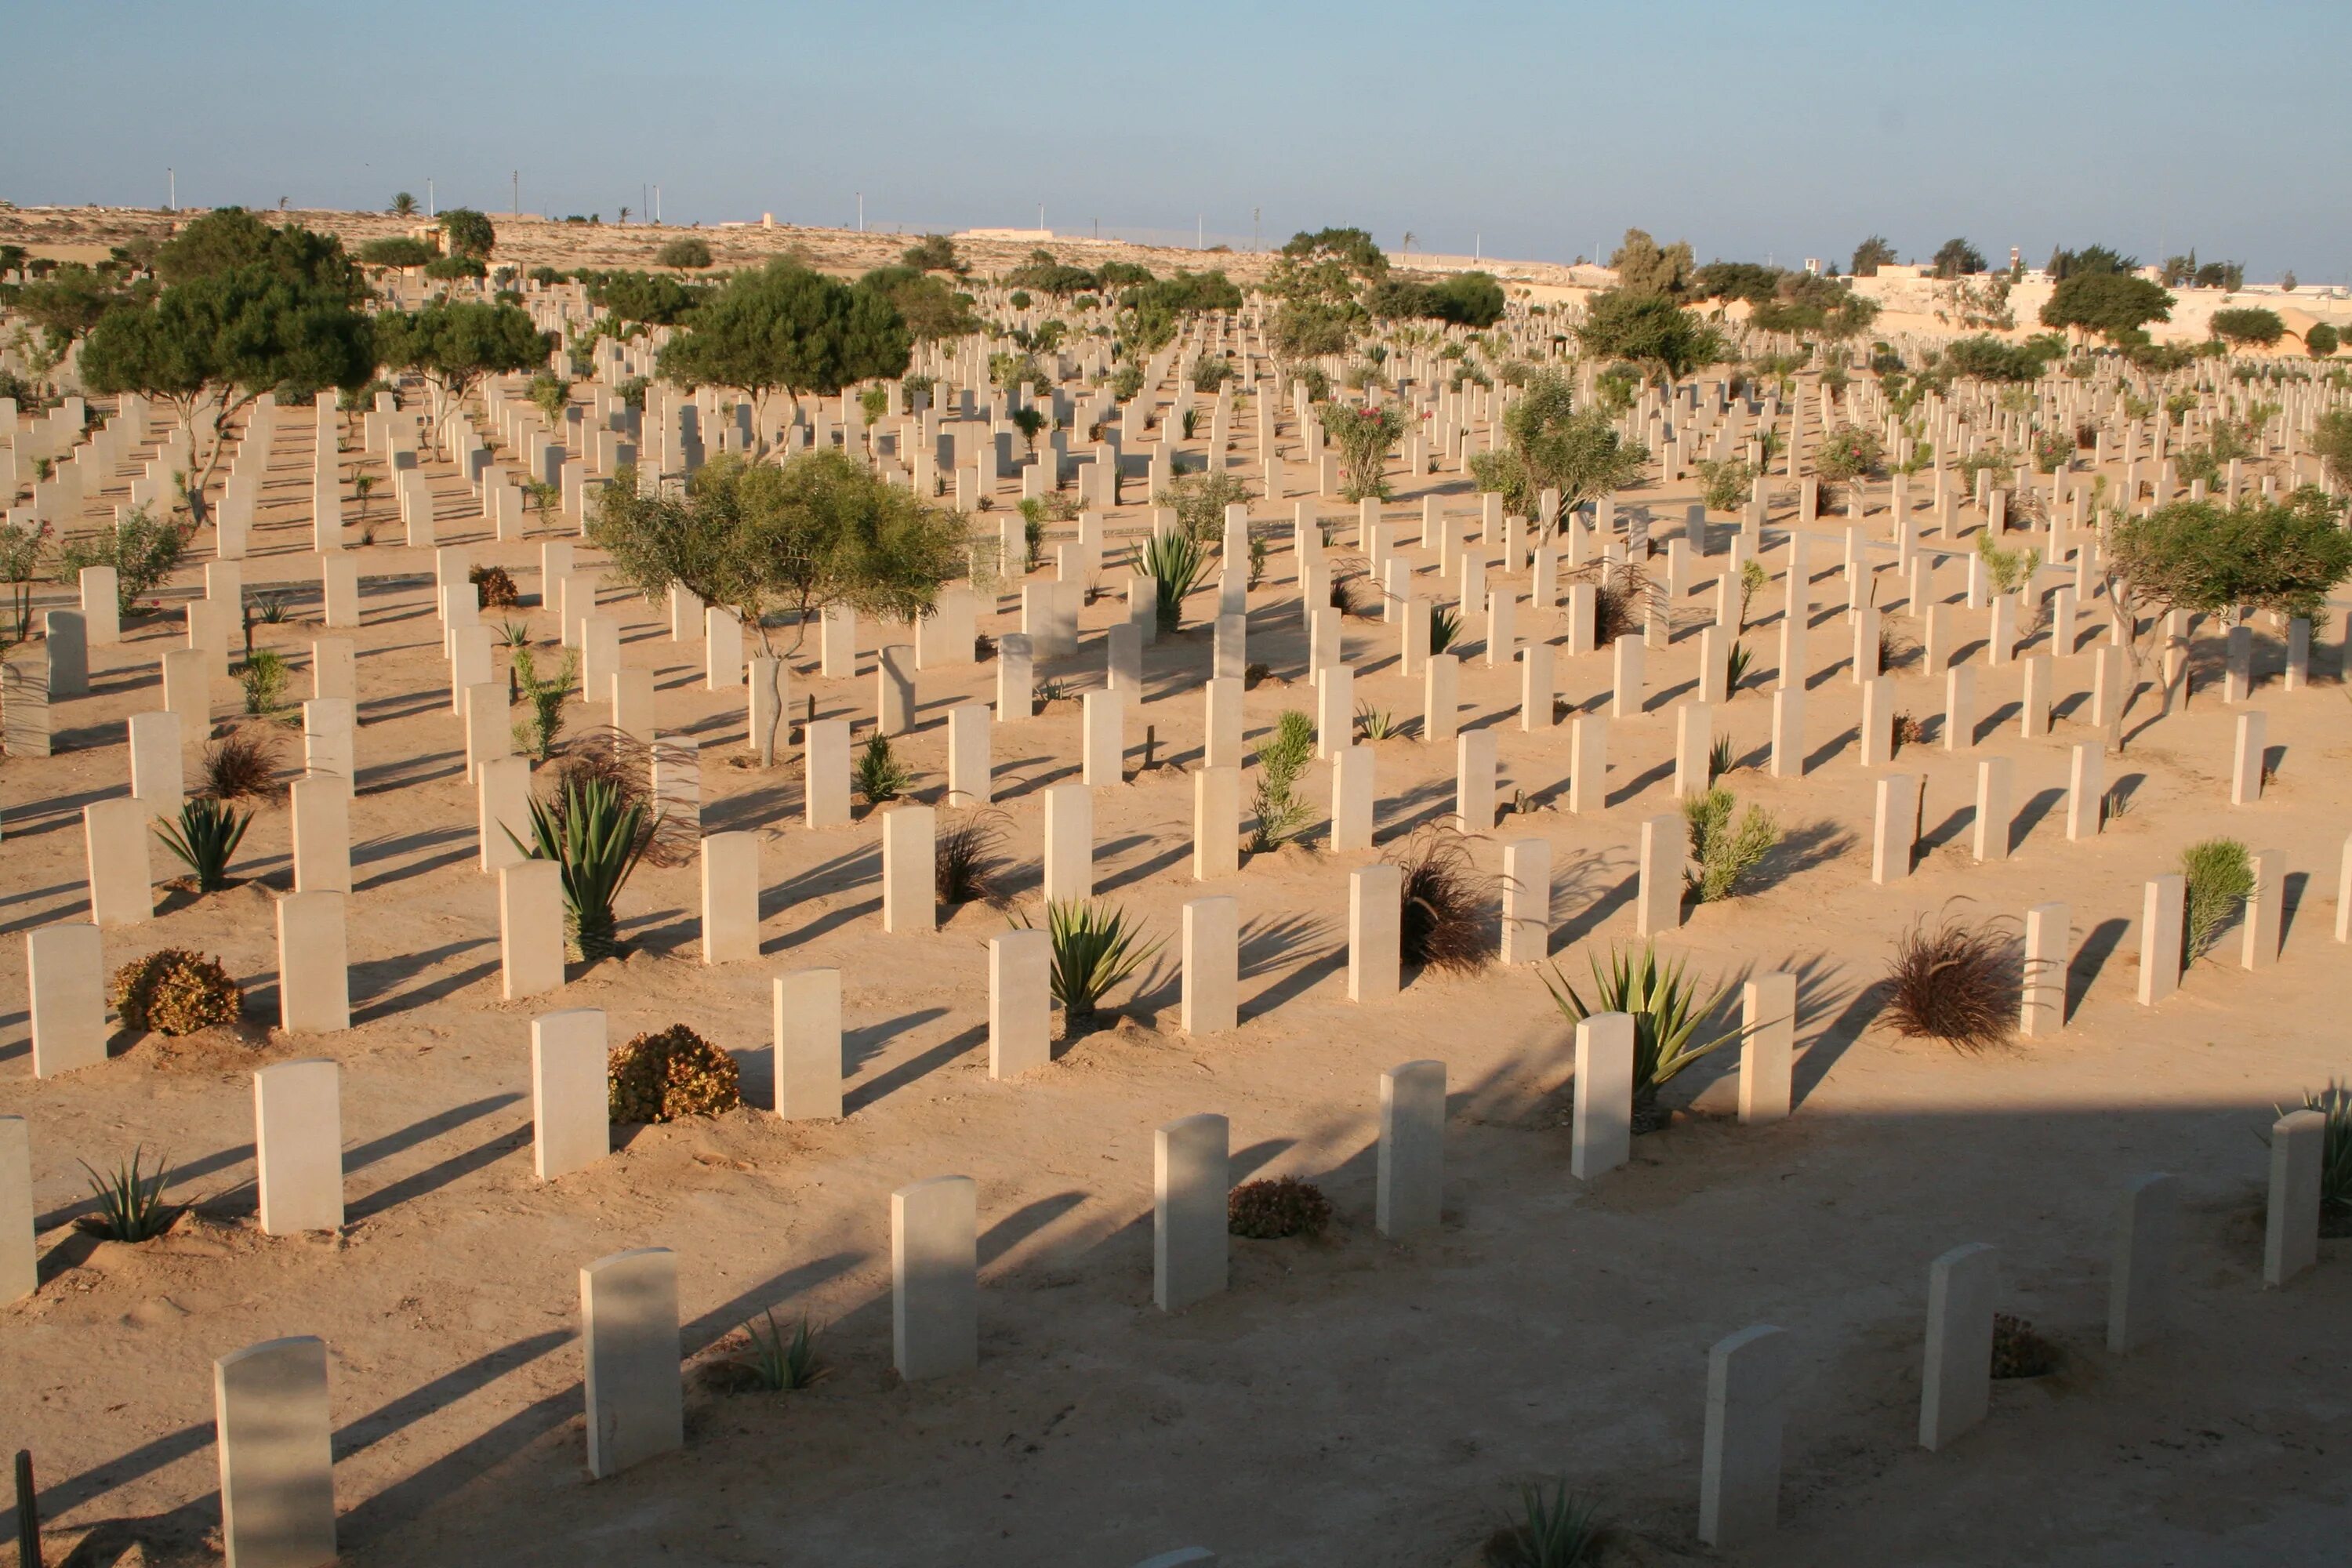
[1514,130]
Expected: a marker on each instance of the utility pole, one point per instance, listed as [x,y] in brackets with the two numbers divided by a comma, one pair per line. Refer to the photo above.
[861,211]
[1199,232]
[1040,215]
[518,193]
[430,209]
[657,217]
[172,202]
[1255,213]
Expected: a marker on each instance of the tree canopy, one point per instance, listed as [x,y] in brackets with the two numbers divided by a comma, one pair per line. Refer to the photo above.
[785,327]
[470,233]
[933,253]
[685,253]
[70,300]
[766,539]
[454,344]
[1047,275]
[2112,304]
[218,340]
[2247,324]
[1958,258]
[652,298]
[400,250]
[1650,331]
[1150,313]
[929,307]
[1553,445]
[228,238]
[1870,255]
[1465,298]
[2091,260]
[1644,266]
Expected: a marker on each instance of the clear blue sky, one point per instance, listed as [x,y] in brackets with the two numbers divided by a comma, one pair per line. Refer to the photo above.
[1752,130]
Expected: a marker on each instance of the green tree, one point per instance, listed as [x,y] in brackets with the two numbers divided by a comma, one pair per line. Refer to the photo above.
[2322,341]
[2112,304]
[1643,266]
[785,327]
[72,301]
[1651,331]
[2217,559]
[1048,274]
[401,250]
[933,253]
[1365,436]
[213,344]
[685,254]
[2247,324]
[1870,255]
[765,539]
[448,268]
[1553,445]
[404,204]
[454,345]
[2091,262]
[470,233]
[649,299]
[2331,439]
[230,238]
[1958,258]
[929,307]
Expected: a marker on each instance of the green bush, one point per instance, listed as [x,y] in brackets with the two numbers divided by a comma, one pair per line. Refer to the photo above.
[669,1075]
[2217,875]
[141,549]
[684,254]
[1282,757]
[1271,1210]
[1725,855]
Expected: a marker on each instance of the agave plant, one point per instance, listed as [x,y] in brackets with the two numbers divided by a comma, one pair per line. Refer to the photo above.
[1445,625]
[206,835]
[1096,947]
[782,1364]
[1666,1009]
[130,1204]
[2333,1103]
[1177,564]
[597,836]
[1553,1530]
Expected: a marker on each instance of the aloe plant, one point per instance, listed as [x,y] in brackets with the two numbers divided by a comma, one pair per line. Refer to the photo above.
[783,1362]
[206,836]
[1094,947]
[597,839]
[1666,1005]
[130,1204]
[1178,564]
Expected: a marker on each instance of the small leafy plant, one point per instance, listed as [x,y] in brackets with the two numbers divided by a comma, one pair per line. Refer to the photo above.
[1281,813]
[263,677]
[1445,625]
[879,774]
[1725,855]
[2217,875]
[1375,723]
[1270,1210]
[782,1363]
[1552,1530]
[1178,564]
[175,992]
[596,836]
[542,701]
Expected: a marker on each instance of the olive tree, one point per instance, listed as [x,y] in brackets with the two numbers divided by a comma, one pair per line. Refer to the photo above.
[453,345]
[781,540]
[785,327]
[2212,558]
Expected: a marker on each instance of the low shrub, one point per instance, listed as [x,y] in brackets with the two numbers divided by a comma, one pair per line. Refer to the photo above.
[1552,1530]
[779,1362]
[1955,983]
[494,587]
[1666,1005]
[673,1074]
[1270,1210]
[2018,1351]
[877,773]
[1441,920]
[2217,876]
[205,838]
[964,857]
[241,765]
[1282,814]
[1725,855]
[175,992]
[1094,947]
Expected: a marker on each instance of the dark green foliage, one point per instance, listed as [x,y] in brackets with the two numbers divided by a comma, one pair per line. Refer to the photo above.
[929,308]
[933,253]
[72,301]
[1465,298]
[2091,262]
[651,298]
[1650,331]
[1558,1529]
[228,239]
[130,1199]
[1552,446]
[469,232]
[2112,304]
[1958,258]
[2018,1351]
[877,773]
[685,254]
[1178,565]
[1870,255]
[141,549]
[1645,268]
[2209,556]
[2248,324]
[1282,757]
[204,838]
[1955,983]
[1987,358]
[596,837]
[454,344]
[782,1364]
[1045,275]
[398,250]
[787,328]
[448,269]
[2217,876]
[1270,1210]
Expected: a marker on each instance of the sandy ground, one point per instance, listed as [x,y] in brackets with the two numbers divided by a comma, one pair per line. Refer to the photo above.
[1348,1401]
